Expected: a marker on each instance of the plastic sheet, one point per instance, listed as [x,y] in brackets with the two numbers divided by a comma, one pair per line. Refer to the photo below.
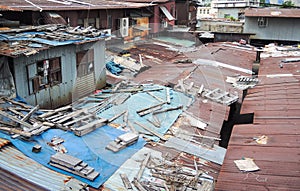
[89,148]
[143,100]
[7,85]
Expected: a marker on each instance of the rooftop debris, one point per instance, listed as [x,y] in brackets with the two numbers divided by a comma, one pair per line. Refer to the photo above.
[122,141]
[246,165]
[273,50]
[169,119]
[242,82]
[216,95]
[30,40]
[73,165]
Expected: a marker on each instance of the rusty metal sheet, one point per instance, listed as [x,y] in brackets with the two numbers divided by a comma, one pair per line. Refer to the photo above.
[274,102]
[72,5]
[239,181]
[3,142]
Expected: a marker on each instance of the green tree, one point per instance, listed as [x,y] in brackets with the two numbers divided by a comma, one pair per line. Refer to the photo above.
[287,4]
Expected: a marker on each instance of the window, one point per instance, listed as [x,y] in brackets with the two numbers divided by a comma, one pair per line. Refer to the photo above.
[80,22]
[85,62]
[109,21]
[262,22]
[43,74]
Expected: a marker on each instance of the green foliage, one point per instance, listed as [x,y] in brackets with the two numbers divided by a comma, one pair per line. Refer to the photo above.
[287,4]
[231,18]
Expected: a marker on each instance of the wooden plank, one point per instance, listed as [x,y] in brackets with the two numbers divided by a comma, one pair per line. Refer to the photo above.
[126,181]
[16,131]
[28,115]
[16,119]
[50,113]
[143,166]
[151,131]
[79,119]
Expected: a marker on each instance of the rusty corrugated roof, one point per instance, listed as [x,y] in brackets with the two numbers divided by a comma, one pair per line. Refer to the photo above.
[7,8]
[38,5]
[3,142]
[272,12]
[275,103]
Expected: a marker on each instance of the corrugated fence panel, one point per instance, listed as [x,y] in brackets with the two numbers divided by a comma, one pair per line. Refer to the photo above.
[84,85]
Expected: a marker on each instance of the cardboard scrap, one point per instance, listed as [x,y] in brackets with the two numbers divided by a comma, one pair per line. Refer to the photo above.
[246,165]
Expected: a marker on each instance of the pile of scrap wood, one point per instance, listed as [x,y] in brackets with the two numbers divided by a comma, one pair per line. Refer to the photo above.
[24,121]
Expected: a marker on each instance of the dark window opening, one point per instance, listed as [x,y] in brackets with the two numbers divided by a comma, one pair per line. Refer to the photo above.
[44,74]
[85,62]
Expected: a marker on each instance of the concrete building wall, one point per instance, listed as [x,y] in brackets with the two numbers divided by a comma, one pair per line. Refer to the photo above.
[285,29]
[232,12]
[219,26]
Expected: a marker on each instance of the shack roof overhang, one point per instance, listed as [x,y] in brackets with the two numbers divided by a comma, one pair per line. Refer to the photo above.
[27,41]
[272,12]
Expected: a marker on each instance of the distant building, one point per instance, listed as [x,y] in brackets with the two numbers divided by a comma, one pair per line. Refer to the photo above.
[273,24]
[233,9]
[280,2]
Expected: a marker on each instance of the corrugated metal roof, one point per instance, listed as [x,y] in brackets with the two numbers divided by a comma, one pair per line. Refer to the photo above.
[7,8]
[272,12]
[30,40]
[147,1]
[3,142]
[19,165]
[12,182]
[37,5]
[275,103]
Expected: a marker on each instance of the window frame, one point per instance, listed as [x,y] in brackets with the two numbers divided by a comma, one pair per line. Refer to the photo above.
[43,74]
[85,62]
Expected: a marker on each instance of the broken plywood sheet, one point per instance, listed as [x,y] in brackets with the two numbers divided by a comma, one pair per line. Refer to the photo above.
[129,63]
[215,154]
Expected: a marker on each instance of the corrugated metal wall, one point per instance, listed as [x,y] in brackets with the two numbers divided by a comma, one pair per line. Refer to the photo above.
[61,94]
[277,28]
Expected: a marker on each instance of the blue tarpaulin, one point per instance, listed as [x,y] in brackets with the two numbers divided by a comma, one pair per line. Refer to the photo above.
[90,148]
[29,36]
[114,68]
